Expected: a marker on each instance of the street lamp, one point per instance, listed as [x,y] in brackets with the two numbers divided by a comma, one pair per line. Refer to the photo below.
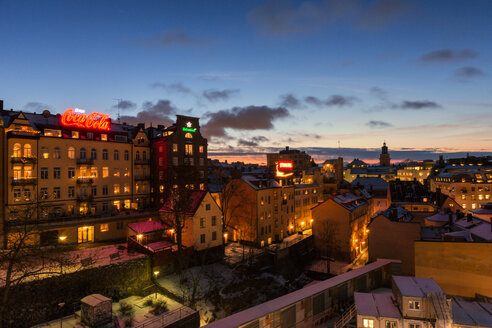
[156,273]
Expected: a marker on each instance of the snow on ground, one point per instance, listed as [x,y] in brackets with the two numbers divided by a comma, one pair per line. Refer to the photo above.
[236,253]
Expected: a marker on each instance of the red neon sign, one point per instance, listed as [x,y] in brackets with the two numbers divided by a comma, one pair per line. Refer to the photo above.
[96,121]
[285,165]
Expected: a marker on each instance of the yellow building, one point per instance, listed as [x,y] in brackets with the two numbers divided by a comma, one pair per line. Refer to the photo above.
[81,177]
[306,197]
[415,171]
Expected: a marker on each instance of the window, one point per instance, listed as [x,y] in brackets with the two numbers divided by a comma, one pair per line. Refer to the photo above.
[188,149]
[104,227]
[116,172]
[161,161]
[18,172]
[105,207]
[126,173]
[202,222]
[126,155]
[214,235]
[120,138]
[27,150]
[414,305]
[44,173]
[161,149]
[200,149]
[201,161]
[119,225]
[105,190]
[94,190]
[116,155]
[44,153]
[44,193]
[57,153]
[116,189]
[175,147]
[27,194]
[104,137]
[17,150]
[144,155]
[56,173]
[93,153]
[202,186]
[71,192]
[137,155]
[71,172]
[188,135]
[175,161]
[75,134]
[105,154]
[83,153]
[391,324]
[262,231]
[126,188]
[202,238]
[368,323]
[56,192]
[17,195]
[94,172]
[52,133]
[207,207]
[105,172]
[71,153]
[214,220]
[90,135]
[414,325]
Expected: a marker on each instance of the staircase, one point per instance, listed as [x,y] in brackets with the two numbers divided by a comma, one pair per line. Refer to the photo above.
[442,310]
[346,317]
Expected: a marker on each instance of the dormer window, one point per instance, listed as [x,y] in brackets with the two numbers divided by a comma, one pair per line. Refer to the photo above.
[414,305]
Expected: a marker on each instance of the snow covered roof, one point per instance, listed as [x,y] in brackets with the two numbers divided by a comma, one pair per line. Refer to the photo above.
[350,201]
[94,299]
[195,200]
[371,183]
[258,184]
[439,217]
[477,227]
[376,305]
[276,304]
[397,214]
[146,226]
[472,313]
[416,287]
[460,234]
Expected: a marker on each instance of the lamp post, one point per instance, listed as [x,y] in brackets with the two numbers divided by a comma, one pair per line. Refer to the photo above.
[156,273]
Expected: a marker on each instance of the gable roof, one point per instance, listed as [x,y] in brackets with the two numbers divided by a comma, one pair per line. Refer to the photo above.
[195,200]
[146,226]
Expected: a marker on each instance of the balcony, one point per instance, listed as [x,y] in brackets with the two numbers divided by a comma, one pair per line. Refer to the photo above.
[85,198]
[85,161]
[85,180]
[24,181]
[142,161]
[23,160]
[141,177]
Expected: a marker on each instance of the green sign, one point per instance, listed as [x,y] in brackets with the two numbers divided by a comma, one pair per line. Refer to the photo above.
[189,129]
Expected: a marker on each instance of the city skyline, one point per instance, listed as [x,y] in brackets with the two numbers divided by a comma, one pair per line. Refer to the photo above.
[263,75]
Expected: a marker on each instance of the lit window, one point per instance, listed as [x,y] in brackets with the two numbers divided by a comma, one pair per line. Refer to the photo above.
[94,172]
[391,324]
[126,188]
[126,172]
[27,194]
[17,150]
[105,172]
[116,189]
[368,323]
[75,134]
[188,135]
[71,153]
[17,172]
[474,206]
[414,325]
[44,153]
[175,147]
[52,133]
[17,195]
[116,172]
[200,149]
[202,222]
[127,203]
[104,227]
[414,305]
[104,137]
[188,149]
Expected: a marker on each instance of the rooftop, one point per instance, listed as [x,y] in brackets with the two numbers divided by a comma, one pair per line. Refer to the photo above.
[377,305]
[472,313]
[416,287]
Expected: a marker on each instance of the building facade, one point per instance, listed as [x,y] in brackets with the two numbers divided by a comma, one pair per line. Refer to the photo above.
[306,196]
[300,160]
[384,157]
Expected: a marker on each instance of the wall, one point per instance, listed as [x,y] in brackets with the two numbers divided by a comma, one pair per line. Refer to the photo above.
[208,228]
[460,268]
[393,240]
[243,206]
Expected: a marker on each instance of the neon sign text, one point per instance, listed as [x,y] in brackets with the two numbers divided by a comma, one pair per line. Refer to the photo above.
[96,121]
[285,165]
[189,129]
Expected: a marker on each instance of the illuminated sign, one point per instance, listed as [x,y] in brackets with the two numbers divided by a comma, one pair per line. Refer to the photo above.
[283,166]
[96,121]
[189,127]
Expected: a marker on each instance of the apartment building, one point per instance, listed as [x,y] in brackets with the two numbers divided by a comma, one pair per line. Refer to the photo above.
[418,303]
[81,177]
[301,161]
[418,171]
[180,150]
[262,210]
[306,196]
[469,185]
[340,226]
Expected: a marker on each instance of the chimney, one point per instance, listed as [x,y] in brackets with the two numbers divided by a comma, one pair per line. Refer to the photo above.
[469,217]
[287,148]
[141,125]
[450,219]
[160,127]
[1,105]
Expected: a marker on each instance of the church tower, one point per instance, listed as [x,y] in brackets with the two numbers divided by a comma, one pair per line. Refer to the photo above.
[384,158]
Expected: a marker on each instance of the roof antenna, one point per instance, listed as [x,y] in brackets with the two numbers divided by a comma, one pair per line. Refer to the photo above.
[338,153]
[119,101]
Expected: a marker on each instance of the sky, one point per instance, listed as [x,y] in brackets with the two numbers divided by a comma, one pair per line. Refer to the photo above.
[325,76]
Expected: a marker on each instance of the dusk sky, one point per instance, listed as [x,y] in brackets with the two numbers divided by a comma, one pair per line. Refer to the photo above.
[262,75]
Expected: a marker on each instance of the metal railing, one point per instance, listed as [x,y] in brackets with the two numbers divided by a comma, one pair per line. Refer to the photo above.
[23,181]
[167,318]
[346,317]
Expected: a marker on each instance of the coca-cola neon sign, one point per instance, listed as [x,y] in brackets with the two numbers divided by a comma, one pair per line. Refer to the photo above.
[94,121]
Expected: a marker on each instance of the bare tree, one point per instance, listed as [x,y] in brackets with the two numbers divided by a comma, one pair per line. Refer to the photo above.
[326,232]
[229,205]
[24,259]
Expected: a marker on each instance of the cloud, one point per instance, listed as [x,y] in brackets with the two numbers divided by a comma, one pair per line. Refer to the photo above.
[378,93]
[378,124]
[242,118]
[125,104]
[468,72]
[260,139]
[448,55]
[174,38]
[227,76]
[35,106]
[217,95]
[335,100]
[290,101]
[417,105]
[173,87]
[242,142]
[157,113]
[283,17]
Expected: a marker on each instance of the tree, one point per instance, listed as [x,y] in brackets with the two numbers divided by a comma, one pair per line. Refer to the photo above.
[229,205]
[24,259]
